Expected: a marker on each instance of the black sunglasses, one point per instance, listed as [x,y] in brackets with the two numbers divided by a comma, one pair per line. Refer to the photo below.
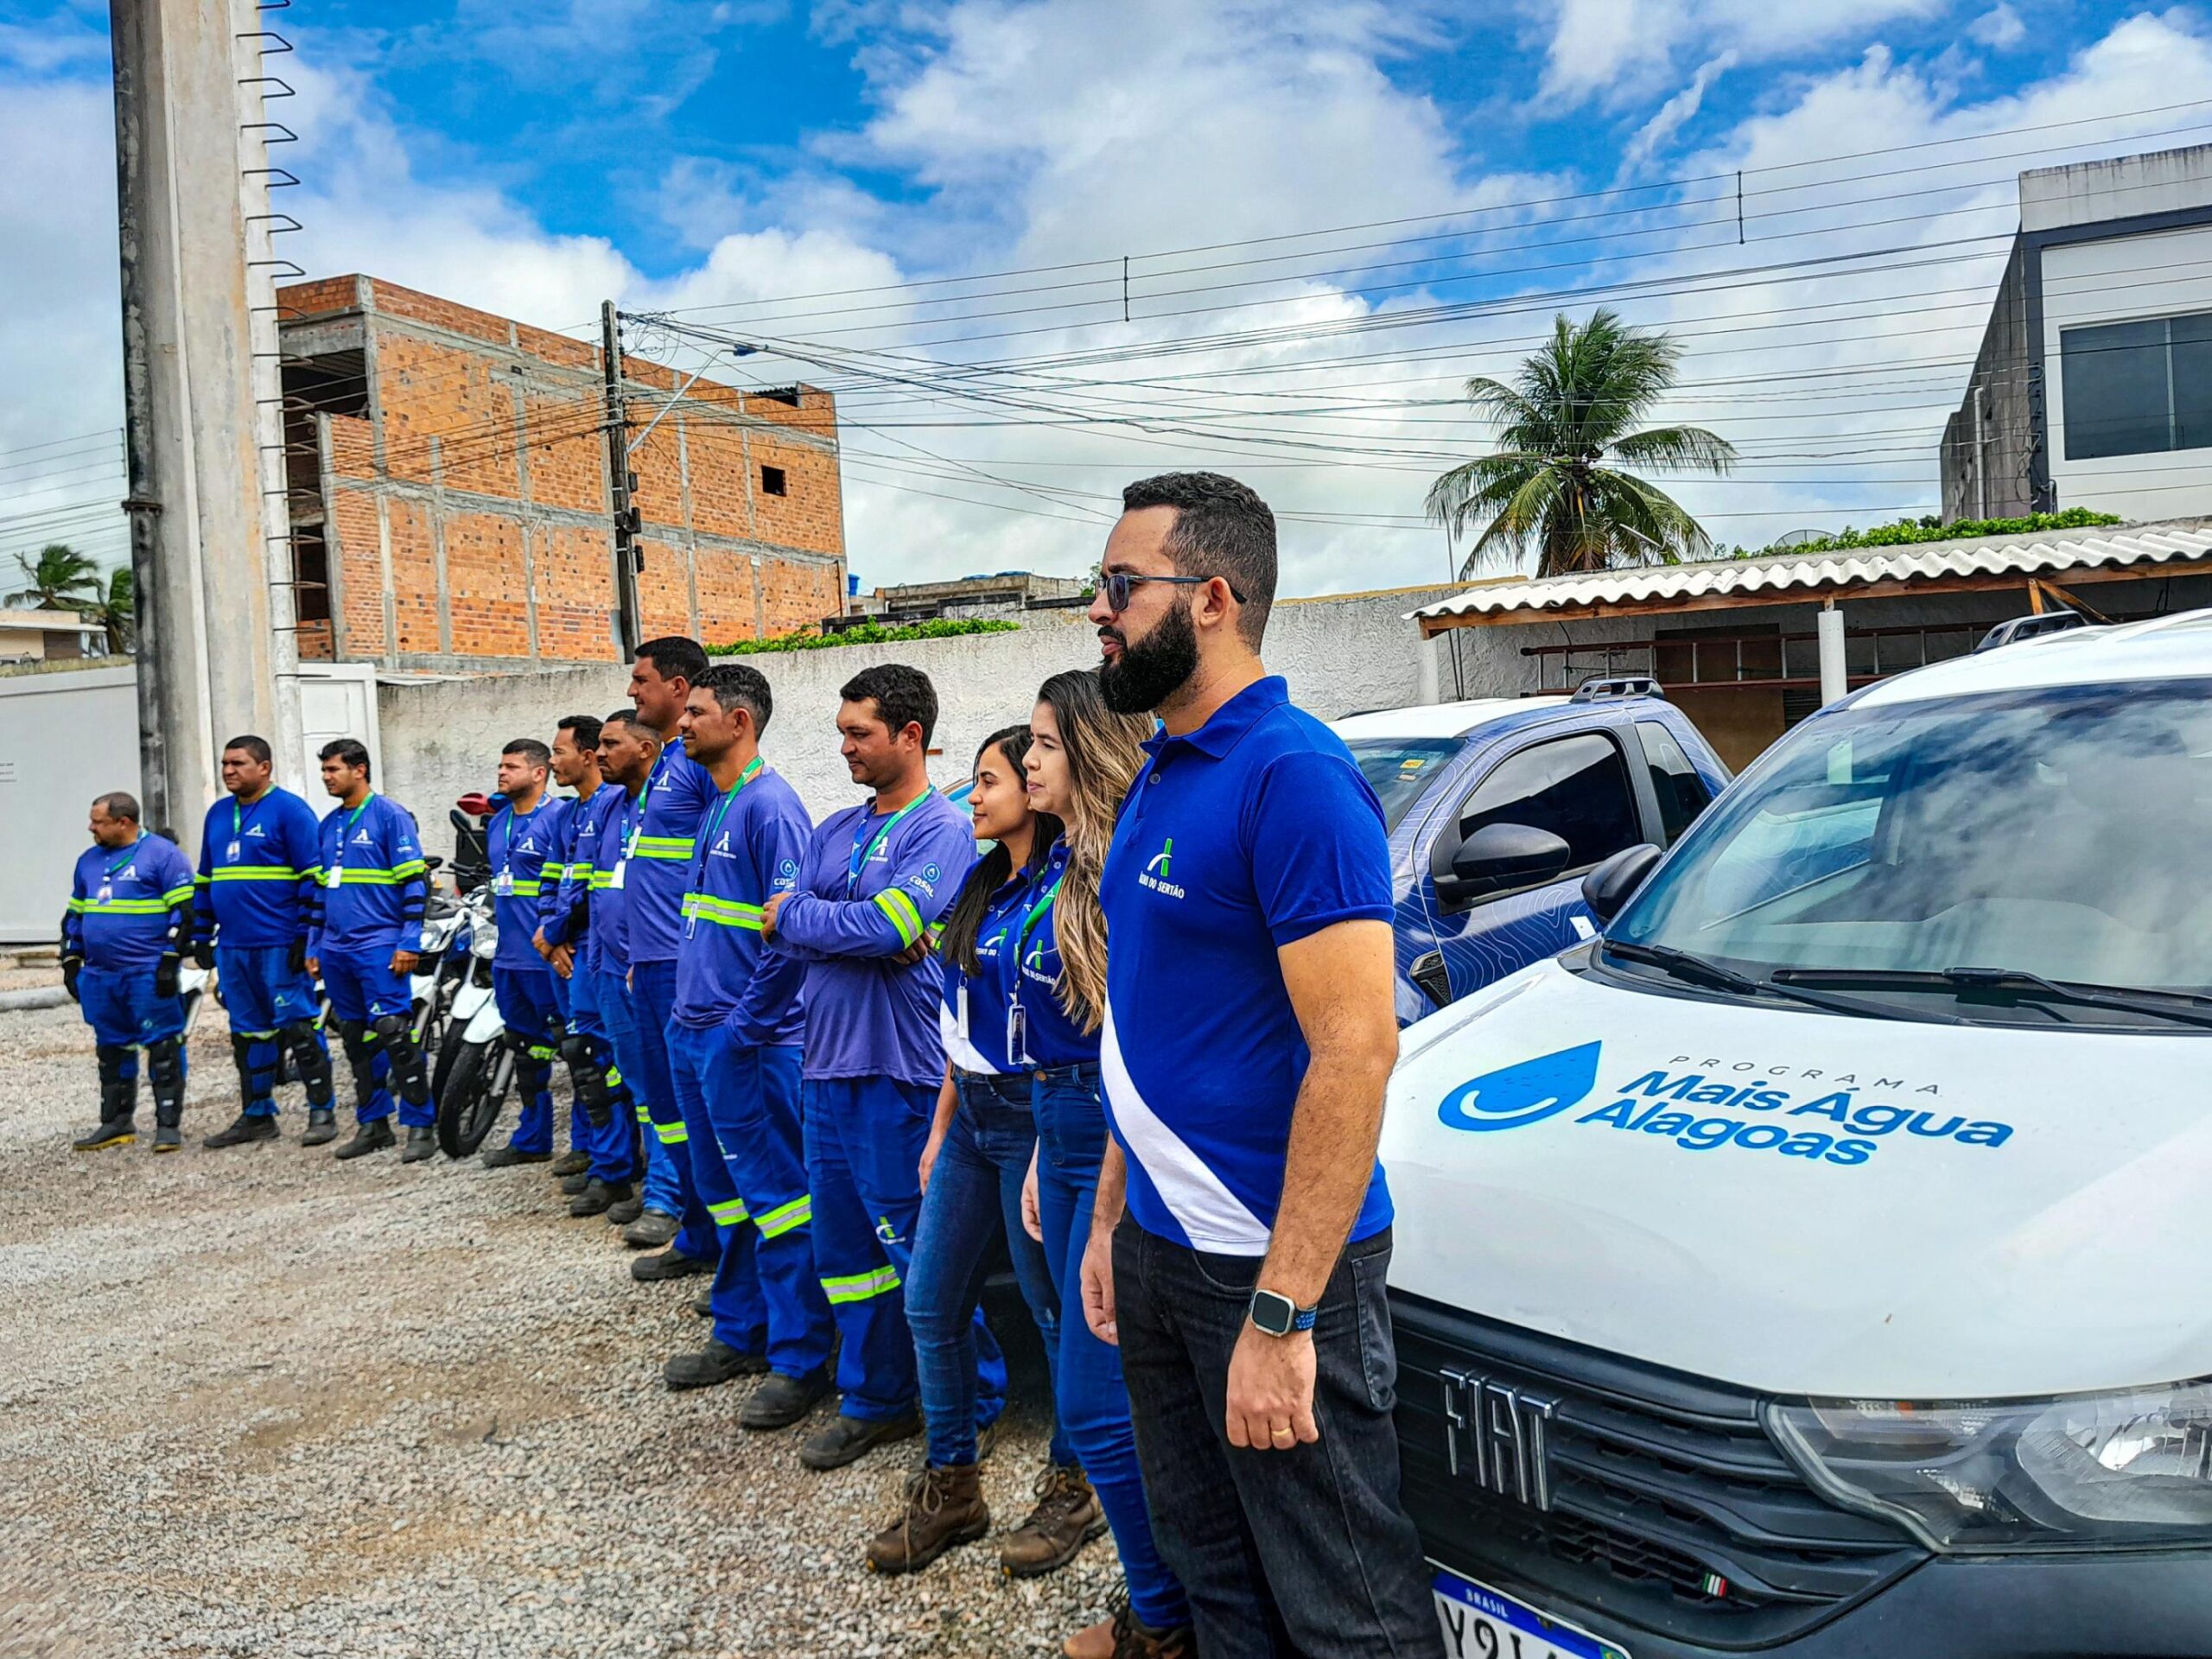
[1116,586]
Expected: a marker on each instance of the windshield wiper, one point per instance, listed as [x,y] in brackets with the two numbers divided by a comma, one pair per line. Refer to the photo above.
[2177,1006]
[1694,969]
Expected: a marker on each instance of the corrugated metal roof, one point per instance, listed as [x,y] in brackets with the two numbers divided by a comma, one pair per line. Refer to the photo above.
[1787,575]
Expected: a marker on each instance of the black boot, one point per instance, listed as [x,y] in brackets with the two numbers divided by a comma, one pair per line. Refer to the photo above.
[112,1132]
[422,1142]
[716,1363]
[848,1440]
[572,1185]
[667,1264]
[322,1127]
[782,1401]
[168,1138]
[372,1136]
[242,1131]
[598,1197]
[651,1230]
[571,1162]
[508,1157]
[119,1100]
[703,1303]
[625,1211]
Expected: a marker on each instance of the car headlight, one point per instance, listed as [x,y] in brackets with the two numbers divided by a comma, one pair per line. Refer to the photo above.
[2132,1466]
[484,941]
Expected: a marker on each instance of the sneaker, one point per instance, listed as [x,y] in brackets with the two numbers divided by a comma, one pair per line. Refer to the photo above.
[667,1264]
[782,1401]
[168,1139]
[945,1508]
[1065,1518]
[716,1364]
[848,1440]
[598,1197]
[372,1136]
[574,1185]
[508,1157]
[651,1230]
[116,1132]
[422,1142]
[627,1211]
[242,1130]
[571,1162]
[322,1127]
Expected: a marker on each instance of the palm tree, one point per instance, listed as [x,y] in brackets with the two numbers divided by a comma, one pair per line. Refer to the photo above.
[118,612]
[60,579]
[1567,421]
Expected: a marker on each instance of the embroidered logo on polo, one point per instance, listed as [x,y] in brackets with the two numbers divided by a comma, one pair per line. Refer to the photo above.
[253,832]
[1154,874]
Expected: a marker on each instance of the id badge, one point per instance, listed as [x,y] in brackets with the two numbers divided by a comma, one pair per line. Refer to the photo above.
[960,1009]
[233,854]
[1017,1036]
[621,865]
[504,884]
[106,895]
[335,876]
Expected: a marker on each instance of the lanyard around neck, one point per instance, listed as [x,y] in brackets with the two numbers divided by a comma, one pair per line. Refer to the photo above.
[699,860]
[861,854]
[338,857]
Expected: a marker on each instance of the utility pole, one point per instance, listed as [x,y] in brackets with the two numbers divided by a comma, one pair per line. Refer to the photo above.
[199,406]
[621,483]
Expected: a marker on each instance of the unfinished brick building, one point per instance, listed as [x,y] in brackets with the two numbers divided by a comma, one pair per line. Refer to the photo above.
[449,488]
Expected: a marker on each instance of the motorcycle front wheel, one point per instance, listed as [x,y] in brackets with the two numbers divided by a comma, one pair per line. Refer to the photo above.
[474,1090]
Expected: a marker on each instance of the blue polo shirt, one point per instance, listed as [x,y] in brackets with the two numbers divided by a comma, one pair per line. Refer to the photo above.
[259,865]
[971,1017]
[1249,834]
[749,848]
[677,796]
[1030,972]
[516,846]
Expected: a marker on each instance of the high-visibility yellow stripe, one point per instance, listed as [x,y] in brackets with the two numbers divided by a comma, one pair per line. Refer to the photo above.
[177,896]
[120,906]
[352,876]
[723,912]
[601,879]
[672,1135]
[525,889]
[785,1217]
[904,917]
[257,873]
[860,1287]
[664,847]
[729,1212]
[643,1116]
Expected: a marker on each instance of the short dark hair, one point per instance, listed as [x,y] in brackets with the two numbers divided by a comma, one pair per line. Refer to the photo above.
[531,750]
[627,717]
[118,804]
[351,750]
[903,696]
[1222,529]
[676,657]
[584,727]
[255,747]
[739,685]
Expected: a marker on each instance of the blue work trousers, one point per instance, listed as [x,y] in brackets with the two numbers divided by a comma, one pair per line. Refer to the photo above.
[610,989]
[578,1124]
[121,1009]
[263,993]
[363,989]
[864,1139]
[613,1149]
[974,1196]
[669,1188]
[1092,1401]
[530,1014]
[742,1107]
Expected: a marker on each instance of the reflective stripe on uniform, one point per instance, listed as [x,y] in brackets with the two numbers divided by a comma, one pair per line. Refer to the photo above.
[729,1212]
[723,912]
[663,846]
[257,873]
[785,1217]
[860,1287]
[904,917]
[121,907]
[672,1135]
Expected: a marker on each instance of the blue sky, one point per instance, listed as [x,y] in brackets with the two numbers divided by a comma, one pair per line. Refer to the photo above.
[715,158]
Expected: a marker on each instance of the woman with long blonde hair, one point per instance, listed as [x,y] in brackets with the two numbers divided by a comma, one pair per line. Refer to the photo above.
[1081,759]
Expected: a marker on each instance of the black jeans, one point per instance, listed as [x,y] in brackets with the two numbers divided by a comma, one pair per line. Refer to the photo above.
[1306,1551]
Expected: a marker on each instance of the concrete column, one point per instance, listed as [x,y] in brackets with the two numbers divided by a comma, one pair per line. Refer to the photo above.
[1834,678]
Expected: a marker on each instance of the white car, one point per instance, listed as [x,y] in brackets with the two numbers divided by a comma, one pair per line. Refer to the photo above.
[1810,1265]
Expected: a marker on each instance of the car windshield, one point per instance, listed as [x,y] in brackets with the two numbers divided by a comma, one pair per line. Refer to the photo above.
[2055,833]
[1399,768]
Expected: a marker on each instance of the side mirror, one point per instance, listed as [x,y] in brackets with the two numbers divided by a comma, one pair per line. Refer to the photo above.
[1614,882]
[1501,856]
[432,861]
[460,821]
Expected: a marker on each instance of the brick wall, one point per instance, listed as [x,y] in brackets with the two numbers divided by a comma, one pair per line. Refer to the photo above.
[475,491]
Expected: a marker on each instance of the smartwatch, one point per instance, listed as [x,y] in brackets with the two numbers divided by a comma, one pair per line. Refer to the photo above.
[1276,1315]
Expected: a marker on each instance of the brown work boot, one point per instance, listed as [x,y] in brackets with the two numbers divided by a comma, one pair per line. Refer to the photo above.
[1067,1516]
[1129,1637]
[944,1507]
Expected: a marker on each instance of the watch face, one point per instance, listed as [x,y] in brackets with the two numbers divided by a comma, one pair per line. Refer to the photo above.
[1273,1313]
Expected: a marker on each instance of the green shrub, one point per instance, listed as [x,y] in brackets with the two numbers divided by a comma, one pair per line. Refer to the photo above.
[868,633]
[1906,531]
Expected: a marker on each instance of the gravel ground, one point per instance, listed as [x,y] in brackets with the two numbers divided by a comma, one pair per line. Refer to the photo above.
[260,1403]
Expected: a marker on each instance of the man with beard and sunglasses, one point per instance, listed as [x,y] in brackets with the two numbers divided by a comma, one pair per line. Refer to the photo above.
[1241,1233]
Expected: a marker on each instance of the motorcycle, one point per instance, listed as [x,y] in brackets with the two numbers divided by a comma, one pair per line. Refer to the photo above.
[475,1066]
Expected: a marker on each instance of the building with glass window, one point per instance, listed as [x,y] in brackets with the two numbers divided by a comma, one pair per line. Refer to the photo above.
[2092,387]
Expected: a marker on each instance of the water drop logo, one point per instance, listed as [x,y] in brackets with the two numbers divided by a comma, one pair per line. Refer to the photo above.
[1529,1092]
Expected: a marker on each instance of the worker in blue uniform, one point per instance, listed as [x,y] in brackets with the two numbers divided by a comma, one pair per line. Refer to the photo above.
[123,936]
[677,796]
[253,897]
[569,931]
[363,941]
[872,891]
[516,842]
[627,749]
[573,760]
[734,1050]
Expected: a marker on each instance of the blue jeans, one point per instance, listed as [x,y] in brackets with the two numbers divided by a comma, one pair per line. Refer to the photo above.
[864,1138]
[974,1188]
[668,1186]
[1094,1404]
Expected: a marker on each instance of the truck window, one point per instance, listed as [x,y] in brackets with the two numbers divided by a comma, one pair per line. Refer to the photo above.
[1398,769]
[1576,787]
[1683,794]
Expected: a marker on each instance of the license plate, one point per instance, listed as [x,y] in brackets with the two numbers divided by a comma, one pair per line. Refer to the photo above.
[1480,1623]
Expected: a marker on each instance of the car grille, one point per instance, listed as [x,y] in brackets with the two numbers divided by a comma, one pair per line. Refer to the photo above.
[1670,1510]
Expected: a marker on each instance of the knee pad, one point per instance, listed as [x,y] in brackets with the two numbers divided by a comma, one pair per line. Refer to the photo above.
[360,1047]
[397,1033]
[520,1041]
[593,1091]
[119,1082]
[165,1062]
[309,1059]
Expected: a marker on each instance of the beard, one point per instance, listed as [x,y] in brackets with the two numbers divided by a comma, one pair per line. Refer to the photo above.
[1146,672]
